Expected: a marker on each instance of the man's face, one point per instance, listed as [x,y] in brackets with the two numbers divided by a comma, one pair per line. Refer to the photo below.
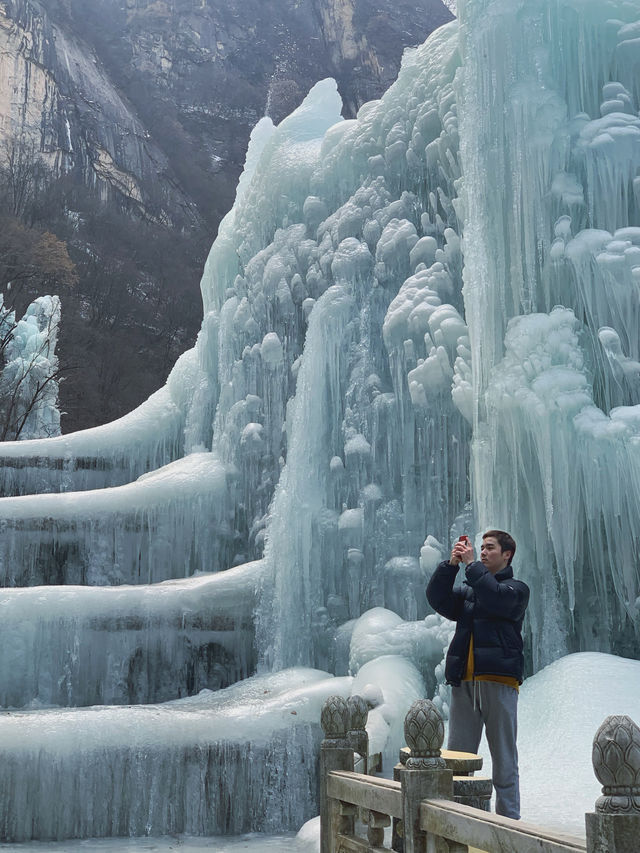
[492,556]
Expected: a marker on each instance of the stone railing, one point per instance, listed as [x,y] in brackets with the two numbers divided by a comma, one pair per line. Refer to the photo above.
[427,808]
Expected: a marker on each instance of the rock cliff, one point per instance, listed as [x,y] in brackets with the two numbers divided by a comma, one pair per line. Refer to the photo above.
[154,99]
[149,103]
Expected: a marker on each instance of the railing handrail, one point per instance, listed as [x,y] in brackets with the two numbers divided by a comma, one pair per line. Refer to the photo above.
[452,820]
[369,792]
[419,804]
[490,832]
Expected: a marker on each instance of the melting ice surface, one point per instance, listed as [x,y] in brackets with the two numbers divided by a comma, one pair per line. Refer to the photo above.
[417,323]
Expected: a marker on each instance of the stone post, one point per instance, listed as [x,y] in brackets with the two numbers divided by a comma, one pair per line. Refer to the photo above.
[357,732]
[425,774]
[336,753]
[614,827]
[397,843]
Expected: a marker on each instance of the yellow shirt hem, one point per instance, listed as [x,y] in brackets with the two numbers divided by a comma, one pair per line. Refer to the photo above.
[509,680]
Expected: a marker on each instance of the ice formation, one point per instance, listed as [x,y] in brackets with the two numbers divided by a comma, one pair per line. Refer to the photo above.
[218,744]
[418,323]
[29,374]
[119,645]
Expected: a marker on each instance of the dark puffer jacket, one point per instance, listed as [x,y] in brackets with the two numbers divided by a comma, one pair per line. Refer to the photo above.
[490,606]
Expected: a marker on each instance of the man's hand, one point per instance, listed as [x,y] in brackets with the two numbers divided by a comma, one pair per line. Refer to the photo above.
[462,553]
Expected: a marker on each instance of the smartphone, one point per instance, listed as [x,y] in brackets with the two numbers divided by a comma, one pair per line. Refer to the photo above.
[464,538]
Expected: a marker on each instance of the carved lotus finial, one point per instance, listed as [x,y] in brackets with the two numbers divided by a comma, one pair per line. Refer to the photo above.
[335,718]
[616,763]
[424,733]
[358,713]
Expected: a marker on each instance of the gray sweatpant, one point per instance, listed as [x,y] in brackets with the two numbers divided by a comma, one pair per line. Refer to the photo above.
[496,708]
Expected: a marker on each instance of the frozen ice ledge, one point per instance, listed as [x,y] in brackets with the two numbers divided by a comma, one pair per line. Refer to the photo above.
[73,646]
[110,455]
[240,759]
[237,760]
[169,523]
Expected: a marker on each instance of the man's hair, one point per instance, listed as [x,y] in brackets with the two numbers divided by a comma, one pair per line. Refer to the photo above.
[504,540]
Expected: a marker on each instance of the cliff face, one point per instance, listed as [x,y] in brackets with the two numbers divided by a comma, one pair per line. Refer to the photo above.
[154,99]
[147,106]
[60,100]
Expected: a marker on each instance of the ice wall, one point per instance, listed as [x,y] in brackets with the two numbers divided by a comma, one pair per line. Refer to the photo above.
[376,444]
[396,453]
[240,759]
[105,456]
[554,117]
[174,421]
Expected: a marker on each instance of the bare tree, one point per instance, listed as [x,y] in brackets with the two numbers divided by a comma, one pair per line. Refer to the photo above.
[22,175]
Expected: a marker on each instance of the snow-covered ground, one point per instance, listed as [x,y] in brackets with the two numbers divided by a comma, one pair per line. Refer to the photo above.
[560,710]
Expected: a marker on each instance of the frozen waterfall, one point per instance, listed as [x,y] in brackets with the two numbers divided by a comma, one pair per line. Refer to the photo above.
[417,323]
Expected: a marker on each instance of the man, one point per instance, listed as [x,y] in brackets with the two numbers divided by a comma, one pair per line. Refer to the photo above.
[485,662]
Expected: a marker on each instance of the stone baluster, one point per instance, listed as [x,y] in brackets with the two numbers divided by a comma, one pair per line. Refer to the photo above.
[336,753]
[425,774]
[376,823]
[357,732]
[614,827]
